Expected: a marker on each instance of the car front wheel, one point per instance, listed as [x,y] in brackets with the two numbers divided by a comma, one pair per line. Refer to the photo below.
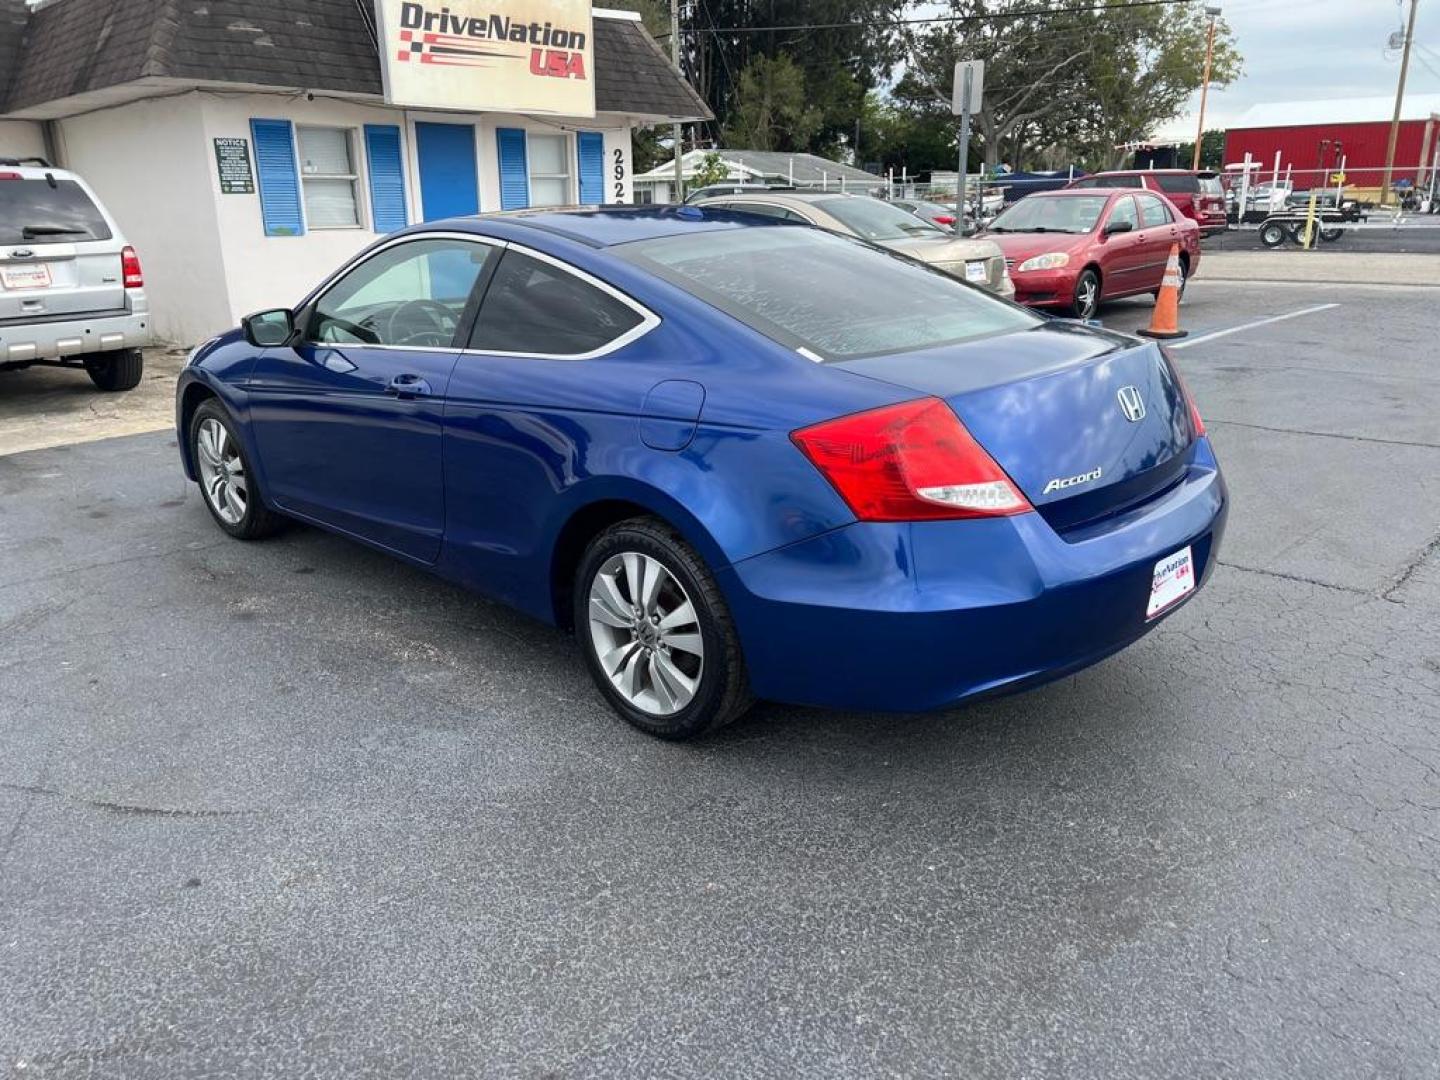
[1086,298]
[227,483]
[656,633]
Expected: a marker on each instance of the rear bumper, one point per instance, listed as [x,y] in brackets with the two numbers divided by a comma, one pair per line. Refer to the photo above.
[912,617]
[55,340]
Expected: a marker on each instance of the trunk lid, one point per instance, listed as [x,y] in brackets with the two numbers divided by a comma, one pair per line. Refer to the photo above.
[59,279]
[1087,423]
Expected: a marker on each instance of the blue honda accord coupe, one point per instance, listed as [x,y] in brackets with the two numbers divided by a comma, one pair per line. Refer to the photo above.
[739,457]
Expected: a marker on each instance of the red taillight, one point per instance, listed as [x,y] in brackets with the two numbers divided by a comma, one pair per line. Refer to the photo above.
[1195,421]
[130,267]
[9,176]
[909,462]
[944,219]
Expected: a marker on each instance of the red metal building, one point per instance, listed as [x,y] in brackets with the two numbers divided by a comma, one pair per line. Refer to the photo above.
[1361,127]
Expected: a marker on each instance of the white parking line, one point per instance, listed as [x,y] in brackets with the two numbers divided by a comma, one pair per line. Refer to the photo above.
[1251,325]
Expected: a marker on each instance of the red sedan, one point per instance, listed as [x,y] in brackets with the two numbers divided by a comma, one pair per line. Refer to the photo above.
[1070,250]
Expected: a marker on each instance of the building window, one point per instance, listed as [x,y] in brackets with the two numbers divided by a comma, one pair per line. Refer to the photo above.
[328,177]
[549,157]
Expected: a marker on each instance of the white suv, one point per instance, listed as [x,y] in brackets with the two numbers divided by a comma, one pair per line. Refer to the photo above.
[71,291]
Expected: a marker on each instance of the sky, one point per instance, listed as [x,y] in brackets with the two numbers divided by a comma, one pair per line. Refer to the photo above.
[1297,50]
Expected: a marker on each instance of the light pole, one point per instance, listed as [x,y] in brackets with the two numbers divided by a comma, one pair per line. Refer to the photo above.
[1399,99]
[1212,11]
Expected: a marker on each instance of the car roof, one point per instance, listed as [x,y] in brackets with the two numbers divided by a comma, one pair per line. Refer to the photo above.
[1071,193]
[1154,172]
[596,226]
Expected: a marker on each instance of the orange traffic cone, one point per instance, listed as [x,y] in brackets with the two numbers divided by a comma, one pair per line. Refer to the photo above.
[1165,319]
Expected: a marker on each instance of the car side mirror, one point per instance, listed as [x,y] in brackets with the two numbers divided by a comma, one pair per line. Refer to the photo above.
[1118,227]
[267,328]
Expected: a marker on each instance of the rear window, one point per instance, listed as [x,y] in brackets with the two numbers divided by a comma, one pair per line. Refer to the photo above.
[1210,185]
[1178,185]
[39,212]
[871,219]
[830,295]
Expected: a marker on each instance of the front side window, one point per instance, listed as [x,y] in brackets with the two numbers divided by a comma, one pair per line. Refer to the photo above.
[549,160]
[1124,211]
[871,302]
[1153,212]
[412,294]
[328,176]
[532,306]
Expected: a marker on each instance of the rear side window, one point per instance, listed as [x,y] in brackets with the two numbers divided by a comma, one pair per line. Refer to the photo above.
[37,212]
[533,306]
[827,294]
[1123,181]
[1153,211]
[1179,185]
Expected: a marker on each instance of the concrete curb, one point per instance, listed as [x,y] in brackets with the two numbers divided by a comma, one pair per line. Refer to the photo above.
[1325,267]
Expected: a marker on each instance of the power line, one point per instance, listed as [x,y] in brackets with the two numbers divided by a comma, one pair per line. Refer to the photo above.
[951,19]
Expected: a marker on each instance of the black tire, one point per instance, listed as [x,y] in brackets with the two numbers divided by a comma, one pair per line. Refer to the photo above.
[1080,308]
[258,520]
[723,692]
[118,370]
[1331,235]
[1272,235]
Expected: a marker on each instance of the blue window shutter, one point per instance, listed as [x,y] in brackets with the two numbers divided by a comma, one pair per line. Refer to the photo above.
[387,177]
[279,179]
[514,176]
[590,149]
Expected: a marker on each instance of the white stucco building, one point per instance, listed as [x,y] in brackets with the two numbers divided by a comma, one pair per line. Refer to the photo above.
[246,149]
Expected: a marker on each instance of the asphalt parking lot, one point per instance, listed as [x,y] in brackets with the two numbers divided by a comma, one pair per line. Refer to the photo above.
[291,808]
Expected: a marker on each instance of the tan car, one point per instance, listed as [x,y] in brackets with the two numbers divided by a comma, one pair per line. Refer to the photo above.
[979,262]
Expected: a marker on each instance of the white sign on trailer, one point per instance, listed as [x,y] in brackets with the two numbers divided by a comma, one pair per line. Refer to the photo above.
[525,56]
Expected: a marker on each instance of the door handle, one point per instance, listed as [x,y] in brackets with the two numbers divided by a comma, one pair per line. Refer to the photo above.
[408,386]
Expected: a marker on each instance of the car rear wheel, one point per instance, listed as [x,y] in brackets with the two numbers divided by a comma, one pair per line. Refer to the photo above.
[656,633]
[227,482]
[118,370]
[1086,299]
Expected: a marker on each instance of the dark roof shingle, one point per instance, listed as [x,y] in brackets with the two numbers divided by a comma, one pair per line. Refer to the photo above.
[73,46]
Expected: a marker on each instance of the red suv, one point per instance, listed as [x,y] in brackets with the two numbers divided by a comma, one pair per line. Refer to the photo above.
[1197,195]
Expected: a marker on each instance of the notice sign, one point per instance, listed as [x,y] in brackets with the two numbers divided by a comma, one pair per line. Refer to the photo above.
[526,56]
[232,161]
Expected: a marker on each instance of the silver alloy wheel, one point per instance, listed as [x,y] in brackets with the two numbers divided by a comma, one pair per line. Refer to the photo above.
[1086,295]
[222,472]
[646,633]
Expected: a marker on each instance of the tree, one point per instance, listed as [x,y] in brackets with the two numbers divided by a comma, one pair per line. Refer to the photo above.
[1144,64]
[771,109]
[1063,78]
[1212,151]
[712,170]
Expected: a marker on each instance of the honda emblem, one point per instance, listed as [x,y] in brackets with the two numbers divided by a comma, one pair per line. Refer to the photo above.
[1131,403]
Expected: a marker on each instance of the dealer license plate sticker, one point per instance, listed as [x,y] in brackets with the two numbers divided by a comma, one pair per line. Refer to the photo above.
[975,271]
[1174,578]
[35,276]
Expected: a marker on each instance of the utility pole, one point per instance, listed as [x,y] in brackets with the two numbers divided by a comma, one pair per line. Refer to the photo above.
[1399,100]
[1212,11]
[675,131]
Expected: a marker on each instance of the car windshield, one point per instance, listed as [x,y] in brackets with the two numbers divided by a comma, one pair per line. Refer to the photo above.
[48,211]
[871,219]
[829,295]
[1058,214]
